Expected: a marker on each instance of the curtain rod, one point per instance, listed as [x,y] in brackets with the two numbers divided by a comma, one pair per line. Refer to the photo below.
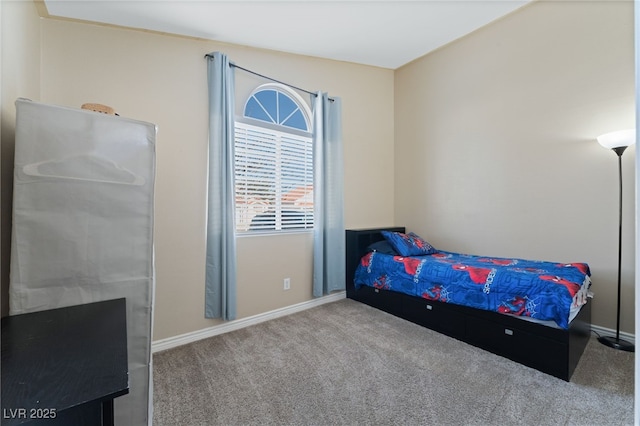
[268,78]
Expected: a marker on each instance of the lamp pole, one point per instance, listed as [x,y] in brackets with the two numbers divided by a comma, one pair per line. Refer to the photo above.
[616,342]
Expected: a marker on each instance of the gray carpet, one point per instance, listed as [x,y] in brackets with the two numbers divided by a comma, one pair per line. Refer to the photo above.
[345,363]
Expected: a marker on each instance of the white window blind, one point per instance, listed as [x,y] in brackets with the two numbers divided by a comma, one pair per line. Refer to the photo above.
[273,179]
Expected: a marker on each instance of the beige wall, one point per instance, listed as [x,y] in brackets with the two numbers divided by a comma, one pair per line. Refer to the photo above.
[162,79]
[20,71]
[493,139]
[495,142]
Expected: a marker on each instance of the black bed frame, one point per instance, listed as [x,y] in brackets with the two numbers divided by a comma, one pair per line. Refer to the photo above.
[551,350]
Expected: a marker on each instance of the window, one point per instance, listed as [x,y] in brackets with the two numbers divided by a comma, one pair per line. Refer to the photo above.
[274,162]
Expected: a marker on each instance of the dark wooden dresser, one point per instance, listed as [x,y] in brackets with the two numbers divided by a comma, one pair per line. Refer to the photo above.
[64,366]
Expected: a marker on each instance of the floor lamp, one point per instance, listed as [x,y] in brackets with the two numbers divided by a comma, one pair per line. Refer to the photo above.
[618,142]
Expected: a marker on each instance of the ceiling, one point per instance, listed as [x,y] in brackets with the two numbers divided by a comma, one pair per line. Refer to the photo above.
[385,34]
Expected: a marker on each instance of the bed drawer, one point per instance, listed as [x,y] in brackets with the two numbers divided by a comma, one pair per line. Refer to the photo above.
[384,300]
[434,315]
[520,346]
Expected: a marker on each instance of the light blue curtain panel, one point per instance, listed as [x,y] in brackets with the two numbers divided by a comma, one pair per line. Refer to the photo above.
[220,286]
[329,239]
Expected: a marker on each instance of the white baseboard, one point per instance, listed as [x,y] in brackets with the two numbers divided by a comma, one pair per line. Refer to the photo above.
[602,331]
[183,339]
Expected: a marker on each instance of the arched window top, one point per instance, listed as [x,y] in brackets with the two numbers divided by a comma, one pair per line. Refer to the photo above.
[277,104]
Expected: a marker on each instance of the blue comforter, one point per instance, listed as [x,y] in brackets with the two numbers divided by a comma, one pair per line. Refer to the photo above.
[537,289]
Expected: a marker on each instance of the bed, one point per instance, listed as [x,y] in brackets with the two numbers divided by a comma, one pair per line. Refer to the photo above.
[551,342]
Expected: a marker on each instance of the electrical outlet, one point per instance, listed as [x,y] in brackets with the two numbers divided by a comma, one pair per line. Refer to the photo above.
[287,283]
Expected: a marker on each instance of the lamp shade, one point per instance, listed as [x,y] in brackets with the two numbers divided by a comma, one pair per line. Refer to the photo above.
[618,139]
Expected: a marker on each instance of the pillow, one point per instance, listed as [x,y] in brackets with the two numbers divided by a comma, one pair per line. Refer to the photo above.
[408,244]
[382,247]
